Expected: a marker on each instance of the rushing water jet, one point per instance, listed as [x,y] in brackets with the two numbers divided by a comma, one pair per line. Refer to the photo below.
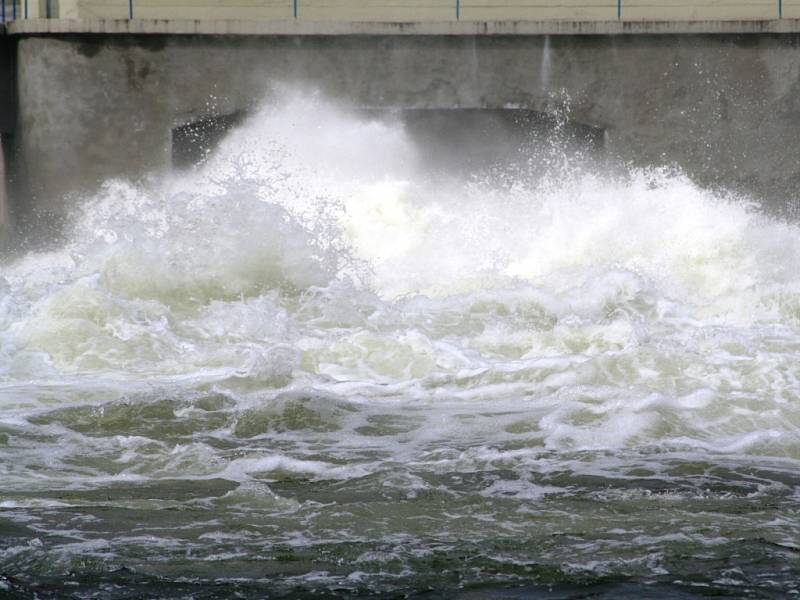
[314,364]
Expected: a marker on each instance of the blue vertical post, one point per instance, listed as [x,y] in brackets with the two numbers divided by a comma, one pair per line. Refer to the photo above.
[619,10]
[294,8]
[780,9]
[26,9]
[130,9]
[14,10]
[3,15]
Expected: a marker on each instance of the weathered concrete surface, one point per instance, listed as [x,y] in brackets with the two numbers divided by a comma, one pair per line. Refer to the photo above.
[726,108]
[466,27]
[8,116]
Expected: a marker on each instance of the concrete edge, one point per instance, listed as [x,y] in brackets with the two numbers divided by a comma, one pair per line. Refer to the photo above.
[299,27]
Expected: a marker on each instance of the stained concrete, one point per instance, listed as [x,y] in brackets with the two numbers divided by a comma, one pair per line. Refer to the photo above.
[8,117]
[724,108]
[502,26]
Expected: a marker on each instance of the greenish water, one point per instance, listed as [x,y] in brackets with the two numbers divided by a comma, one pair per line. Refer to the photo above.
[311,368]
[521,523]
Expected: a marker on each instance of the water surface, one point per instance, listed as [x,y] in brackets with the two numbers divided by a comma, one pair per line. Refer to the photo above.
[313,366]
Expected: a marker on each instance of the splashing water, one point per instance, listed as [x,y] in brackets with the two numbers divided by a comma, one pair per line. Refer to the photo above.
[313,364]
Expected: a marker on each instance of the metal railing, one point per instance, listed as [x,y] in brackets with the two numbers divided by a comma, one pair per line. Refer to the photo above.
[11,10]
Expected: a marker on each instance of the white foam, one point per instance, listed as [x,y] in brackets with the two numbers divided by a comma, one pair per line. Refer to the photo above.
[314,248]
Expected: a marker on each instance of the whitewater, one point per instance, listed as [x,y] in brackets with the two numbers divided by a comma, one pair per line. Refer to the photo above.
[315,365]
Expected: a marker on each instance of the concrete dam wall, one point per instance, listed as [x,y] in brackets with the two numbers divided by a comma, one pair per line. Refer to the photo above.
[725,108]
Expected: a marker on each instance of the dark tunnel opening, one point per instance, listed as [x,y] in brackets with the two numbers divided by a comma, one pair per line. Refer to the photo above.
[450,140]
[194,142]
[471,140]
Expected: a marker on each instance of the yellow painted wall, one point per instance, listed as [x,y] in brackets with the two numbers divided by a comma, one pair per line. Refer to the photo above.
[214,9]
[177,9]
[791,9]
[36,8]
[377,10]
[699,10]
[432,10]
[538,10]
[93,9]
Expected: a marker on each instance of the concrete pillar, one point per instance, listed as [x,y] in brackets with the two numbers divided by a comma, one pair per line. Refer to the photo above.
[86,115]
[5,223]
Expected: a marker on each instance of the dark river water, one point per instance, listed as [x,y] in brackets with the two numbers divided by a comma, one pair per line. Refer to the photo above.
[312,367]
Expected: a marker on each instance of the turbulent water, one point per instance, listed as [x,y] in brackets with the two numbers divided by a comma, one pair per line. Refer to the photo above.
[316,366]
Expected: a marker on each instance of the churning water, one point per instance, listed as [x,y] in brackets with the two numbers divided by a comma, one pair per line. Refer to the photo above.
[313,366]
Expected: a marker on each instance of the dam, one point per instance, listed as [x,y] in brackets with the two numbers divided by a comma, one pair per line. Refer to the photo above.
[400,299]
[711,90]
